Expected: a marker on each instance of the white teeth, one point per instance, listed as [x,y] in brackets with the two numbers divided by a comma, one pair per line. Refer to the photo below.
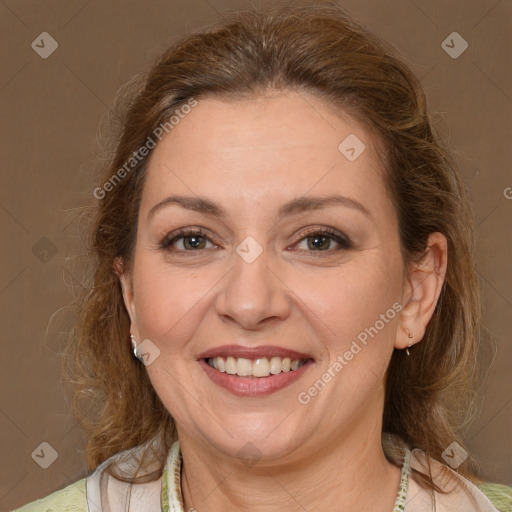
[221,366]
[260,367]
[275,365]
[243,367]
[295,364]
[231,365]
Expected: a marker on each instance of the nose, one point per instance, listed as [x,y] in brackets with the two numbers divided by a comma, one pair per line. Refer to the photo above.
[253,294]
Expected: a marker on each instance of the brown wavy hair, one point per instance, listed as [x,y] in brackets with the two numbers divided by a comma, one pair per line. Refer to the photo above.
[318,50]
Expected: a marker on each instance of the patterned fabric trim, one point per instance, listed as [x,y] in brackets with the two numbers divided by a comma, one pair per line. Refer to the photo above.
[404,482]
[164,498]
[172,500]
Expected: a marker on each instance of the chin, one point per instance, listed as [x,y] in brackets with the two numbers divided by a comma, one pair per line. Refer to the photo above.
[257,439]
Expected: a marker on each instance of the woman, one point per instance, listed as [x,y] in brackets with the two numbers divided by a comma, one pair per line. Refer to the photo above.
[285,244]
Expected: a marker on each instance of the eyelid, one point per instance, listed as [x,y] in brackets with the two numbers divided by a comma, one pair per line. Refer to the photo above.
[339,237]
[170,238]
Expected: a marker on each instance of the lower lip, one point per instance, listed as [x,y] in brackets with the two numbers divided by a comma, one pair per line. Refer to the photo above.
[254,386]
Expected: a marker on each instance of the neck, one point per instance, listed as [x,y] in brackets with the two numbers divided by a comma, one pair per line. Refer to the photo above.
[344,474]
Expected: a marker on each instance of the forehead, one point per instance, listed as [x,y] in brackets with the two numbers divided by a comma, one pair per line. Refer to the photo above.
[264,148]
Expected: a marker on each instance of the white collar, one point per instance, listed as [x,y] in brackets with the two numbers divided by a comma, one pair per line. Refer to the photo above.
[107,494]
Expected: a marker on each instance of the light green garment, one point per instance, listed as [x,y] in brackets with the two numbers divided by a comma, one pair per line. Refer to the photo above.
[500,495]
[70,499]
[73,497]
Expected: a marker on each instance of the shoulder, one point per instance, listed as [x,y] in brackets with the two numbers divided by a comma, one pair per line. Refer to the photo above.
[101,491]
[70,499]
[500,495]
[459,493]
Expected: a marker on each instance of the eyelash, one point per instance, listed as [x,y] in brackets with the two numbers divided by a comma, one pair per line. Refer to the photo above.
[342,240]
[169,240]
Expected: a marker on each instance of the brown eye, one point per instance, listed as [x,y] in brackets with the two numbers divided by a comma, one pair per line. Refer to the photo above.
[322,241]
[319,242]
[186,240]
[193,242]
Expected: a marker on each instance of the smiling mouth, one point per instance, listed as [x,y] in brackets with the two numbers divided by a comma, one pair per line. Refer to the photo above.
[258,367]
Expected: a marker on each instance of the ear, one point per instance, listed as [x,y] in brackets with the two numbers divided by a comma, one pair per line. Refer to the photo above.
[127,289]
[421,291]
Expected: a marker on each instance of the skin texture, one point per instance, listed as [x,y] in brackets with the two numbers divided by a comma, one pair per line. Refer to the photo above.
[252,156]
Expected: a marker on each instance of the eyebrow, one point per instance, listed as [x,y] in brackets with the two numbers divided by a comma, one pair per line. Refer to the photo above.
[293,207]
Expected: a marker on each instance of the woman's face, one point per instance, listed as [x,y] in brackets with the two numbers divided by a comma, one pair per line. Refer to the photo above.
[263,283]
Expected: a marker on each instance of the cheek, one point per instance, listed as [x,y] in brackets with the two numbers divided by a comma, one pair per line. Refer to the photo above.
[167,301]
[355,315]
[359,301]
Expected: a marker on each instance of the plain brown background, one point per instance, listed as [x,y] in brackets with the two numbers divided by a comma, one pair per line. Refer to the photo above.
[51,113]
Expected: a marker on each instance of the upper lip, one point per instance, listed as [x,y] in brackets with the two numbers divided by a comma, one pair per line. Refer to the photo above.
[252,352]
